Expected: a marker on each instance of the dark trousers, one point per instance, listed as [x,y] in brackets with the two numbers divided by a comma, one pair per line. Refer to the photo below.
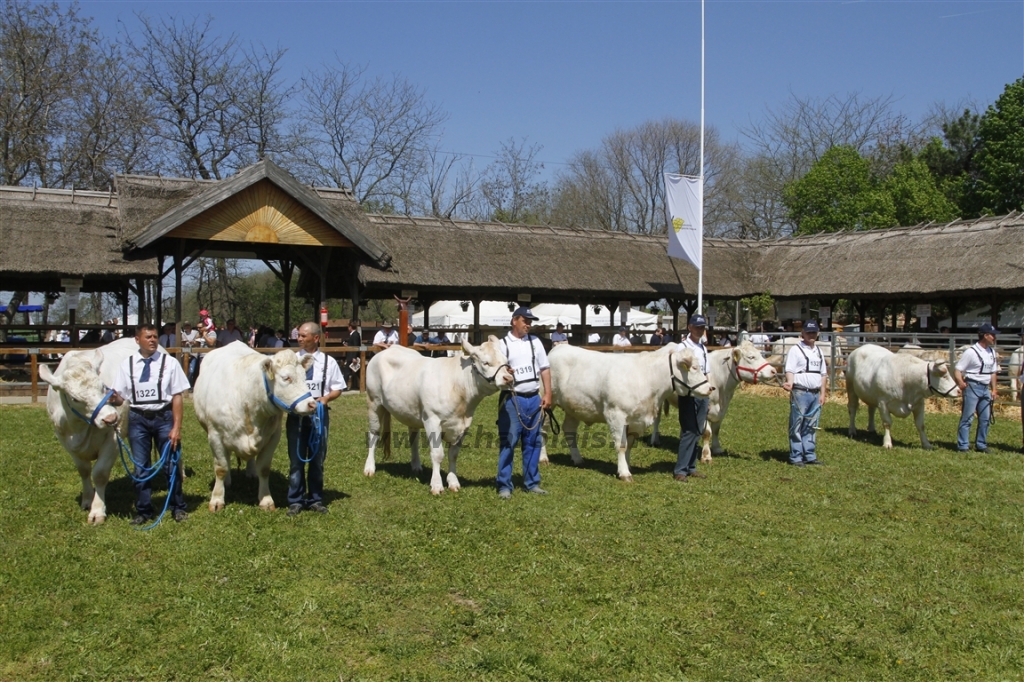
[303,488]
[143,431]
[693,416]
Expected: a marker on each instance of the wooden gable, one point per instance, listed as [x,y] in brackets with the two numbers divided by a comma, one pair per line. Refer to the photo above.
[263,214]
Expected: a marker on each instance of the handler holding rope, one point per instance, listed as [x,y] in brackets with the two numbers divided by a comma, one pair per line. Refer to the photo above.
[307,437]
[805,370]
[153,383]
[521,410]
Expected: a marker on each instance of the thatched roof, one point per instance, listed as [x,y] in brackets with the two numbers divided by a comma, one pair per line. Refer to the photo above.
[982,256]
[461,259]
[47,234]
[177,212]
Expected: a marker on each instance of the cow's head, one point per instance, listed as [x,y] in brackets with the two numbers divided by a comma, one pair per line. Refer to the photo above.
[940,381]
[82,391]
[287,377]
[687,379]
[751,365]
[489,361]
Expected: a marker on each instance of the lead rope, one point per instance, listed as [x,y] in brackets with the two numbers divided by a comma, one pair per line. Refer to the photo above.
[174,456]
[317,433]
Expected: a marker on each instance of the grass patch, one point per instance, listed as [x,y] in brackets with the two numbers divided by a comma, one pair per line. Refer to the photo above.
[883,565]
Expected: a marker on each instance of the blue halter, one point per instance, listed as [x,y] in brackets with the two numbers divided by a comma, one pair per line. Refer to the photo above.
[280,403]
[91,421]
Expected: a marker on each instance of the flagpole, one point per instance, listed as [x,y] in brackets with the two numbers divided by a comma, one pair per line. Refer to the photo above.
[700,268]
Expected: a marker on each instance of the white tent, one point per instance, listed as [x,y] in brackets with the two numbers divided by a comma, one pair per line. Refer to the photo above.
[448,314]
[1011,318]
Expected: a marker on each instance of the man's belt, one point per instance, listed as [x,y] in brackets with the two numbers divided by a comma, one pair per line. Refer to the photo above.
[522,395]
[150,414]
[807,390]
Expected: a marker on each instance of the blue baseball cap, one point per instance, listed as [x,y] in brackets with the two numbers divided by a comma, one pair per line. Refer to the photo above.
[525,313]
[811,326]
[697,321]
[987,328]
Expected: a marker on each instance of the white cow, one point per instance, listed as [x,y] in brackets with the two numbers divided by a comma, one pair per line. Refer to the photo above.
[83,423]
[1016,360]
[624,391]
[726,369]
[895,383]
[931,354]
[436,395]
[240,398]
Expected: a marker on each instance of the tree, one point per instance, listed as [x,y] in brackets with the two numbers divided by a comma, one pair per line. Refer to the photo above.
[839,193]
[621,186]
[786,144]
[1000,185]
[916,196]
[761,306]
[217,105]
[371,136]
[509,186]
[951,159]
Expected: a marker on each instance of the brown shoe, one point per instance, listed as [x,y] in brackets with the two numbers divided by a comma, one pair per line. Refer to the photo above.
[681,478]
[697,474]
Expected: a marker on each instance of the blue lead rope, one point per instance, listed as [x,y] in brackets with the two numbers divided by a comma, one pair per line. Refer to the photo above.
[91,421]
[165,454]
[317,433]
[812,417]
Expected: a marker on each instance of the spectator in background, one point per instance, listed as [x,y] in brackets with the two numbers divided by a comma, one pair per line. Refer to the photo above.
[351,364]
[295,333]
[229,334]
[441,340]
[559,336]
[386,336]
[168,339]
[621,339]
[280,340]
[761,340]
[594,338]
[190,339]
[658,337]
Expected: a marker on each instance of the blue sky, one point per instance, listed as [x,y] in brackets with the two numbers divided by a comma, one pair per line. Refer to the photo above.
[565,74]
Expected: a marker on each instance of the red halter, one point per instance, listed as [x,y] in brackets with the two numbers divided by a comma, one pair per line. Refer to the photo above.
[753,371]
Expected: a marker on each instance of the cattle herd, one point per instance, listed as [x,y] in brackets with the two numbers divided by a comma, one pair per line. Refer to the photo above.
[241,397]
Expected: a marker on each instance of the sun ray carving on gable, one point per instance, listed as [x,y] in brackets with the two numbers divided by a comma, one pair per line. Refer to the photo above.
[264,214]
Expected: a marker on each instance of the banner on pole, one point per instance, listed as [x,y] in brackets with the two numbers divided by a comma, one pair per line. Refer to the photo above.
[684,202]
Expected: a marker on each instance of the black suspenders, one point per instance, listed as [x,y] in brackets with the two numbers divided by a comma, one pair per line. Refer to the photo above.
[159,383]
[807,360]
[533,361]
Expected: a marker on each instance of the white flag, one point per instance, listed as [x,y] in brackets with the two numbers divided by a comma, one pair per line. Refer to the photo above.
[684,203]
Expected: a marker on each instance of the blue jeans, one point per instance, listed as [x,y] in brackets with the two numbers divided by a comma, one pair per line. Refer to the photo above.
[299,482]
[511,431]
[142,432]
[804,412]
[693,417]
[977,399]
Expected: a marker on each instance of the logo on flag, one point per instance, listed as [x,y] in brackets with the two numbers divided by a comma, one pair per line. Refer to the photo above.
[684,204]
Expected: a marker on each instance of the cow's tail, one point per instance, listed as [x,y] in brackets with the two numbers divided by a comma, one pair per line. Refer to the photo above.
[385,435]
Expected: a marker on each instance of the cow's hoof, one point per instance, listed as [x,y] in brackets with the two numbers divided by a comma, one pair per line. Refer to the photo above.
[417,469]
[655,442]
[926,446]
[628,478]
[369,472]
[97,518]
[436,491]
[706,460]
[216,506]
[268,506]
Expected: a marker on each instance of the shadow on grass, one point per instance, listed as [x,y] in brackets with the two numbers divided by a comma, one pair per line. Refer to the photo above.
[404,470]
[777,455]
[601,466]
[121,497]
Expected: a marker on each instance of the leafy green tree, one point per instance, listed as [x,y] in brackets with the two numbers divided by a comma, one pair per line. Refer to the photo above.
[839,193]
[1000,187]
[761,306]
[951,159]
[916,196]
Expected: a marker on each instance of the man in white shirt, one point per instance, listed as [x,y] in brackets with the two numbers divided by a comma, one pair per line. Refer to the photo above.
[594,338]
[325,383]
[622,338]
[559,336]
[153,383]
[693,411]
[229,334]
[976,374]
[386,336]
[521,410]
[805,371]
[190,339]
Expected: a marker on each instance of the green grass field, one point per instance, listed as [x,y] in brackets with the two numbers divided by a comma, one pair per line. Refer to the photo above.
[883,565]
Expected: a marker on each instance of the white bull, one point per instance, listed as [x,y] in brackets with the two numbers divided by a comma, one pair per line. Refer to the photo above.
[895,383]
[83,423]
[240,398]
[624,391]
[726,369]
[436,395]
[1013,366]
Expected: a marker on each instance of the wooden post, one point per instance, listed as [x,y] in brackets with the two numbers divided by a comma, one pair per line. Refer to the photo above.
[287,267]
[362,369]
[158,304]
[124,308]
[582,334]
[34,369]
[477,336]
[74,327]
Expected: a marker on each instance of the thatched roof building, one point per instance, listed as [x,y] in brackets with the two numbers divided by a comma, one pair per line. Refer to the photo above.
[264,212]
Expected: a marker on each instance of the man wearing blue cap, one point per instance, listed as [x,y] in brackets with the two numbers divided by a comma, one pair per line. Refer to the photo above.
[521,410]
[976,374]
[805,373]
[693,411]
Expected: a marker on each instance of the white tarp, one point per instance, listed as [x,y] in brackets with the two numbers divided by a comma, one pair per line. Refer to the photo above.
[447,314]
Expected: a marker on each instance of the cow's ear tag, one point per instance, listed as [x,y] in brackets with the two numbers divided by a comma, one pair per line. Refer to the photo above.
[270,374]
